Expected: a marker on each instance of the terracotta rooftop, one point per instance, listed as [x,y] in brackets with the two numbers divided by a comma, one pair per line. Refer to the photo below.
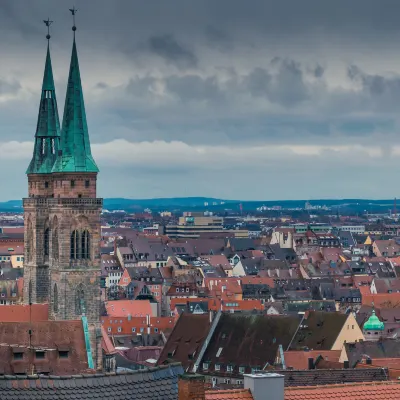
[123,308]
[229,394]
[355,391]
[24,313]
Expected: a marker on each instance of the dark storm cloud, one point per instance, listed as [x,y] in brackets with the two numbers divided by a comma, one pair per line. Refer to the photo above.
[200,73]
[168,48]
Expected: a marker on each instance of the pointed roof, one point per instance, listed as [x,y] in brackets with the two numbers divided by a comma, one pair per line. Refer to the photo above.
[374,323]
[75,154]
[47,136]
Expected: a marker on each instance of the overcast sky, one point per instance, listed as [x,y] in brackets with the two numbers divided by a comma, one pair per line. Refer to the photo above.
[232,99]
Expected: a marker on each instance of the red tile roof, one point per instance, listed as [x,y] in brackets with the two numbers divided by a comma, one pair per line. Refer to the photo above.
[125,326]
[123,308]
[354,391]
[381,300]
[228,394]
[24,313]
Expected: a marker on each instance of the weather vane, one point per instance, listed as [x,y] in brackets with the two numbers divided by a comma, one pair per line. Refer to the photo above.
[73,12]
[48,23]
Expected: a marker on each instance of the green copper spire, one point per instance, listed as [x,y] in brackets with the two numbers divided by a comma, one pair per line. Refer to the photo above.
[374,323]
[47,136]
[75,146]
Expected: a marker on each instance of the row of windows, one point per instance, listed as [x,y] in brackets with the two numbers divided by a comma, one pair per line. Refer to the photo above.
[229,368]
[182,290]
[41,355]
[58,184]
[141,330]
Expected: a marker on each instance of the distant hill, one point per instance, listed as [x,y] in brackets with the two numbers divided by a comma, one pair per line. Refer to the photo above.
[214,204]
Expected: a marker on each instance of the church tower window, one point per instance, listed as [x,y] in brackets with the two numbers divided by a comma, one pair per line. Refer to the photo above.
[46,241]
[74,245]
[55,299]
[85,245]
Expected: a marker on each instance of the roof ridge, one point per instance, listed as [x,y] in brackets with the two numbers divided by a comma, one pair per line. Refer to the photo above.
[339,385]
[94,375]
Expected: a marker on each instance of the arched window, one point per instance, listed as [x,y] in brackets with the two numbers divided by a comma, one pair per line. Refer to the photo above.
[74,245]
[55,239]
[80,300]
[55,299]
[30,292]
[46,241]
[85,247]
[29,249]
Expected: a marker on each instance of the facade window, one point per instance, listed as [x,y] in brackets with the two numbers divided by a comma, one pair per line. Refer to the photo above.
[155,330]
[119,329]
[55,299]
[74,245]
[217,367]
[40,355]
[46,185]
[46,241]
[109,329]
[63,354]
[72,183]
[87,183]
[18,258]
[133,330]
[85,245]
[141,330]
[229,368]
[55,239]
[80,300]
[18,356]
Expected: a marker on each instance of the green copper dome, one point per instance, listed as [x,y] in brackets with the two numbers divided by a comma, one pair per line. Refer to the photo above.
[374,323]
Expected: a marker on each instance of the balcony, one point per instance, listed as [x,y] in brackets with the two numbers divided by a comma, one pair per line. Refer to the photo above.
[51,202]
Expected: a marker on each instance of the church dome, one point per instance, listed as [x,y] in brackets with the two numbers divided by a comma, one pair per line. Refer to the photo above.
[374,323]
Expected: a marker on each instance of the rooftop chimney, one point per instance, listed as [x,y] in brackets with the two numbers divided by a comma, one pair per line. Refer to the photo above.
[262,385]
[191,387]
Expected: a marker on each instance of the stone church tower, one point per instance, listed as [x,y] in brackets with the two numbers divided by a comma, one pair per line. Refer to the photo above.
[62,212]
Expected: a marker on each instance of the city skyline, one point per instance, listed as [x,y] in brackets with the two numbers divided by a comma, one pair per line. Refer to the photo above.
[299,105]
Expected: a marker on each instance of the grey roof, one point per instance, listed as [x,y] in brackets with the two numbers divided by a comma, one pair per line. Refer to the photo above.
[148,384]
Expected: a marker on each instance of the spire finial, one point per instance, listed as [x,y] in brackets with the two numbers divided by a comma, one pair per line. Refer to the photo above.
[73,12]
[48,23]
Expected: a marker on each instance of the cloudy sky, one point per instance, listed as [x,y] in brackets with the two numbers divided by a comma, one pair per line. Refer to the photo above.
[254,99]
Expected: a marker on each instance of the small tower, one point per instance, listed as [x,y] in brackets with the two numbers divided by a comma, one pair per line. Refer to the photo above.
[40,187]
[374,328]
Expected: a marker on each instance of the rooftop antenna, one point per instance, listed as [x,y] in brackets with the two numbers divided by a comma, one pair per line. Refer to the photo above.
[73,12]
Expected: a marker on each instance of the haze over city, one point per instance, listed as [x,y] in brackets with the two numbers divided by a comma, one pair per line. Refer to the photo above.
[296,99]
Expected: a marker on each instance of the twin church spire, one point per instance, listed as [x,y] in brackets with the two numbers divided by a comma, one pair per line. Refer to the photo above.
[68,149]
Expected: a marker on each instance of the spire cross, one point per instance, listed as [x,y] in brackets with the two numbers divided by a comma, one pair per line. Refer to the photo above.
[73,12]
[48,23]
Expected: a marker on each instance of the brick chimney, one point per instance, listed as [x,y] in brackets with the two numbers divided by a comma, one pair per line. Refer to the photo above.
[191,387]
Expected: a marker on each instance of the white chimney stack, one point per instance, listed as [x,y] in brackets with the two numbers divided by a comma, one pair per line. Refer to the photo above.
[265,386]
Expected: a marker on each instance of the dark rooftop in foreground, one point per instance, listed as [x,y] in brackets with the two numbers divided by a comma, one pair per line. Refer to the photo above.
[154,383]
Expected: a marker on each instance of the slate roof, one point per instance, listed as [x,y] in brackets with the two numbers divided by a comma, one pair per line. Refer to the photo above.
[385,348]
[332,376]
[248,340]
[186,339]
[319,330]
[149,384]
